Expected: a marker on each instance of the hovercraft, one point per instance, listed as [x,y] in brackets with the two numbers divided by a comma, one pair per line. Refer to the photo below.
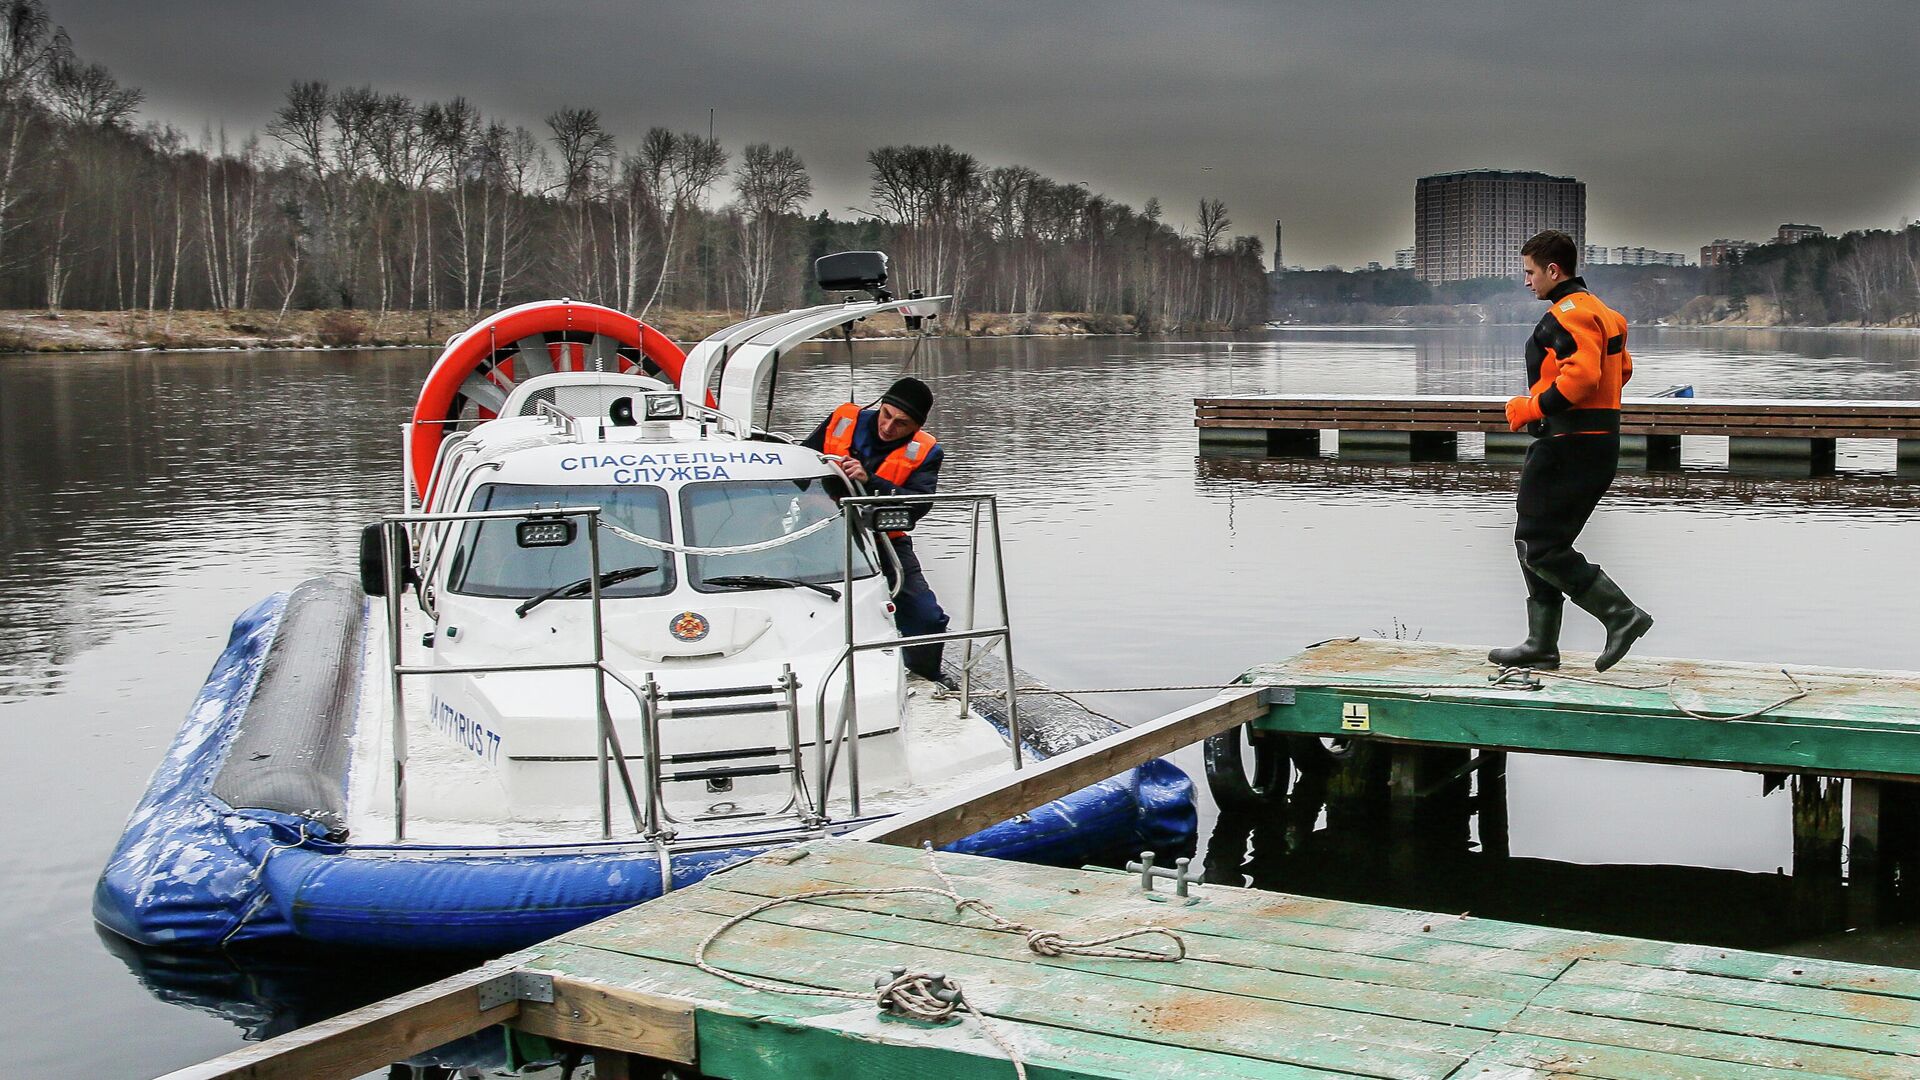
[622,637]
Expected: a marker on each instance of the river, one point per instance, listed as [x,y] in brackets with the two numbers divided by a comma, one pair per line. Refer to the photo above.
[147,499]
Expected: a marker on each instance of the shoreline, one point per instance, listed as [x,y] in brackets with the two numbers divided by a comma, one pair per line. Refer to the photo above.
[29,332]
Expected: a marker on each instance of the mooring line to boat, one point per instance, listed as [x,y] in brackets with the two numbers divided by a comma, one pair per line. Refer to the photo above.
[260,901]
[1671,686]
[932,996]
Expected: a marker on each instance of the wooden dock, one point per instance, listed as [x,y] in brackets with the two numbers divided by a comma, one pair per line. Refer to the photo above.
[1762,432]
[1274,985]
[1848,723]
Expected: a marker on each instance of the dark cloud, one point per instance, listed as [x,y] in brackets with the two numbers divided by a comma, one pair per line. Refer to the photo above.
[1687,121]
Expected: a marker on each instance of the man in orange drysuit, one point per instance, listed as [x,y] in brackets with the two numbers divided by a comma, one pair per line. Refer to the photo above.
[1577,363]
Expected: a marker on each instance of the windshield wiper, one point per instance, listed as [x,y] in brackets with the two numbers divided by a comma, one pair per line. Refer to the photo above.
[761,581]
[585,585]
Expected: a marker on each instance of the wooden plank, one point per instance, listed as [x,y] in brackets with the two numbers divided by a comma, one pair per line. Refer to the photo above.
[883,922]
[748,1035]
[962,814]
[1760,993]
[1754,747]
[597,1014]
[1561,1058]
[1713,1045]
[1707,1015]
[1336,927]
[1021,1000]
[1330,928]
[1025,993]
[1757,418]
[367,1038]
[1220,935]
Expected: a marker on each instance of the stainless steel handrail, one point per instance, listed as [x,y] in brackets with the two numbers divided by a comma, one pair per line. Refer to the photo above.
[393,528]
[847,732]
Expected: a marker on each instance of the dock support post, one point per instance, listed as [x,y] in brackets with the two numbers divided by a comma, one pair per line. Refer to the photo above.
[1357,783]
[1293,442]
[1907,457]
[1780,457]
[1490,802]
[1429,803]
[1650,451]
[1864,870]
[1507,447]
[1816,825]
[1400,445]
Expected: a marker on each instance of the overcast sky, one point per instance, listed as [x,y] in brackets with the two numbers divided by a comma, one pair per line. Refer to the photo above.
[1687,121]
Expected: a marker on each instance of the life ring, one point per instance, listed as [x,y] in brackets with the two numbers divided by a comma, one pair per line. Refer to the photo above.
[479,368]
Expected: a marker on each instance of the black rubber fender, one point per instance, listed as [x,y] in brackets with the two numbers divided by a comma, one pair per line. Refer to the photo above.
[292,750]
[1234,786]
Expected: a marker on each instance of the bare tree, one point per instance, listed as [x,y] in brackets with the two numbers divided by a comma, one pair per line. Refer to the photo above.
[88,95]
[771,184]
[586,155]
[689,165]
[1213,224]
[30,46]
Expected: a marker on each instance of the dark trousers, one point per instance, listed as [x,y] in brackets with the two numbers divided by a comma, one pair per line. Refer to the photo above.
[917,611]
[1560,484]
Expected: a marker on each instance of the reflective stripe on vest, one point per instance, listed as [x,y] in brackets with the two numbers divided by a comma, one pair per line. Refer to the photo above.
[901,463]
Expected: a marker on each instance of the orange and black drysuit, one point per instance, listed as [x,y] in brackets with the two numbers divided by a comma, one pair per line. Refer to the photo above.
[908,466]
[1577,364]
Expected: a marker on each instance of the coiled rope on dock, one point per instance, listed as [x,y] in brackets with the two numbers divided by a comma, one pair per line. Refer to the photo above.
[932,996]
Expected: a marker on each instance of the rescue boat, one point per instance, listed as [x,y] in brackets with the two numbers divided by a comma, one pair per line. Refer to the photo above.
[621,636]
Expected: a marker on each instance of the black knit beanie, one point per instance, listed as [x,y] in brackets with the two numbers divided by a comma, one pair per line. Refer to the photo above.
[910,396]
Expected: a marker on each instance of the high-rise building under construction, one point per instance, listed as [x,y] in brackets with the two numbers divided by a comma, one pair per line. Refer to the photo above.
[1471,224]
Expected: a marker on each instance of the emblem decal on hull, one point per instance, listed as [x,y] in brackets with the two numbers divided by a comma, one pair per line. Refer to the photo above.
[689,626]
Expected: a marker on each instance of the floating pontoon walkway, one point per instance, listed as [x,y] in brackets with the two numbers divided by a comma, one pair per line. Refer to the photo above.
[1274,985]
[1767,432]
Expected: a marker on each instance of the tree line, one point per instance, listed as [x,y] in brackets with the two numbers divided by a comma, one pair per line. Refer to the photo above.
[356,198]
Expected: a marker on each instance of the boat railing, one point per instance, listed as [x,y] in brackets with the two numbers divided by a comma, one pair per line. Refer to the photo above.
[867,510]
[607,742]
[646,800]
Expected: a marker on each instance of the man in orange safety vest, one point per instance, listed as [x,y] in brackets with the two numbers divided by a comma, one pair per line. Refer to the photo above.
[888,449]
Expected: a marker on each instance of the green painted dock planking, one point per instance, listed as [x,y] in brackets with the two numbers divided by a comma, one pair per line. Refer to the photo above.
[1849,723]
[1274,985]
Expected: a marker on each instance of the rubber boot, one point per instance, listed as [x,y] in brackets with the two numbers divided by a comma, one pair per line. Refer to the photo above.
[924,660]
[1624,621]
[1542,647]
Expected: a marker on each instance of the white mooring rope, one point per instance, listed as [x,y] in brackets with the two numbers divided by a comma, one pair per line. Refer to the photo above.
[1517,676]
[737,549]
[934,997]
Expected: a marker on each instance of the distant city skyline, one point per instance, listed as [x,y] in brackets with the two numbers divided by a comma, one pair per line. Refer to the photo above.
[1697,122]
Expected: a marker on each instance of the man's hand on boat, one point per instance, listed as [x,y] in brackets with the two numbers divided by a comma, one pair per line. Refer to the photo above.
[854,471]
[585,585]
[762,581]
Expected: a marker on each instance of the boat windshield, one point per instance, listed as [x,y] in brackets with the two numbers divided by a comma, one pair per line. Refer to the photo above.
[738,512]
[489,561]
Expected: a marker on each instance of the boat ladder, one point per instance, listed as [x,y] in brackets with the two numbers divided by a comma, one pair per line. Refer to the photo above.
[718,769]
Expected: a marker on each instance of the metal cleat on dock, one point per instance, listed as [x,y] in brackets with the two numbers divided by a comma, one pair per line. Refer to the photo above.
[1178,875]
